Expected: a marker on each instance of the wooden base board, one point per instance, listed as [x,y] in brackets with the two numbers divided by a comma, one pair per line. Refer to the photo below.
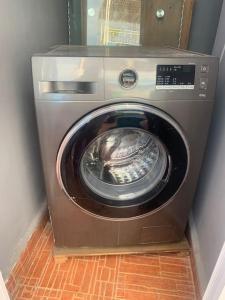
[181,248]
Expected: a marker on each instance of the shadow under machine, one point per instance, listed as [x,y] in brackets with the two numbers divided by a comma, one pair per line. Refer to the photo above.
[122,134]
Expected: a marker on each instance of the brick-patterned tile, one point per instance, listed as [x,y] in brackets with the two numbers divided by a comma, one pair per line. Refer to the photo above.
[139,269]
[123,277]
[11,284]
[131,295]
[175,260]
[149,282]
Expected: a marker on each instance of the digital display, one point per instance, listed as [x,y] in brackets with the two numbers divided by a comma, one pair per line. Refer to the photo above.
[173,77]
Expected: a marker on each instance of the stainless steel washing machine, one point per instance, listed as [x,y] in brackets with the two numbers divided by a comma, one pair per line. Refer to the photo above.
[122,133]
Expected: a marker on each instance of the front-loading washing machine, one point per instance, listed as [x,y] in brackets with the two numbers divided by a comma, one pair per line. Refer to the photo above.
[122,133]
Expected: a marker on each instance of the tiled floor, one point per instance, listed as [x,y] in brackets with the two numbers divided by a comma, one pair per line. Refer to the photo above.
[131,277]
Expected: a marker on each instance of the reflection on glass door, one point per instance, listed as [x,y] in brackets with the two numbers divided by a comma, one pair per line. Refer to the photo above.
[124,164]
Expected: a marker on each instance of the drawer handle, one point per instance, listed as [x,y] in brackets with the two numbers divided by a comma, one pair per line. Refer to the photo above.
[67,87]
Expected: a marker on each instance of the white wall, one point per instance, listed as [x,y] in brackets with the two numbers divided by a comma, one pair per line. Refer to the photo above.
[208,228]
[216,287]
[27,26]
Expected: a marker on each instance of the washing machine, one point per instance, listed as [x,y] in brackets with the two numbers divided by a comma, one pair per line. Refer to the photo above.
[122,133]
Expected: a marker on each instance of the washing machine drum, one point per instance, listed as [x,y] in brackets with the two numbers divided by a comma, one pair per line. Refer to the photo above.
[122,160]
[124,163]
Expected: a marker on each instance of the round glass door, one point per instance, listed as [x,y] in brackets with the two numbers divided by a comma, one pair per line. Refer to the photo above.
[122,160]
[124,163]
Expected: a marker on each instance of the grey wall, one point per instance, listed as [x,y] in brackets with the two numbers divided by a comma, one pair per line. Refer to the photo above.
[205,20]
[209,209]
[27,26]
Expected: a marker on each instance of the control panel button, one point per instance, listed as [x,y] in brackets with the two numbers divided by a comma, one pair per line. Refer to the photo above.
[203,83]
[204,69]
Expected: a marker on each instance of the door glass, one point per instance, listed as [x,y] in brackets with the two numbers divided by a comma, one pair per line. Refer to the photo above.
[124,163]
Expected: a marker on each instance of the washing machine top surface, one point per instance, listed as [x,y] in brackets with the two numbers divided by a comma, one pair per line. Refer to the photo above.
[119,51]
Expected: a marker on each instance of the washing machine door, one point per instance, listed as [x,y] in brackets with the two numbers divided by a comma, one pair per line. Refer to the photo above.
[122,160]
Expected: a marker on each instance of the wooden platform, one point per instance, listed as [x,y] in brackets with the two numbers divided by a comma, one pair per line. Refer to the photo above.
[182,248]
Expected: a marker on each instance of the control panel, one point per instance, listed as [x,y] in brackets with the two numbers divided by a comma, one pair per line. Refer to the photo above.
[160,78]
[175,77]
[181,77]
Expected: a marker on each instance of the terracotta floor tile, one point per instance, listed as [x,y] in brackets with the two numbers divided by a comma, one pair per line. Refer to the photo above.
[173,297]
[122,277]
[131,295]
[149,282]
[172,268]
[11,283]
[169,259]
[142,260]
[139,269]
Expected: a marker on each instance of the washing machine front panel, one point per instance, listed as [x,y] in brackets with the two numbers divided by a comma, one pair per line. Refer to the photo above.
[122,160]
